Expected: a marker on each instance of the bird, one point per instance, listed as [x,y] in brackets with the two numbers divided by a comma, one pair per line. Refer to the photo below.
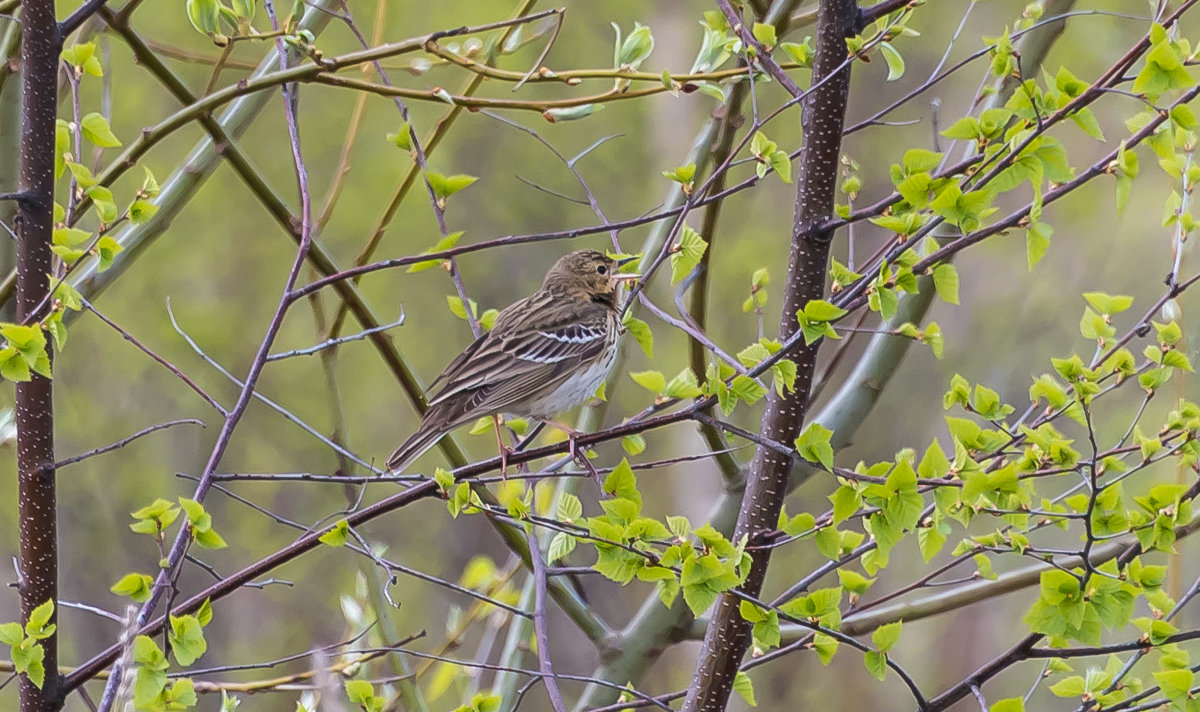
[544,355]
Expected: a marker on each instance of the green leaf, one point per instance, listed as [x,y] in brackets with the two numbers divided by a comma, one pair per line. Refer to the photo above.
[636,48]
[204,613]
[141,210]
[402,138]
[747,389]
[103,203]
[684,385]
[244,9]
[1086,120]
[570,508]
[39,618]
[846,500]
[652,381]
[62,145]
[684,175]
[149,184]
[1009,704]
[83,55]
[200,519]
[686,254]
[885,636]
[561,545]
[741,682]
[456,306]
[70,236]
[765,34]
[203,15]
[440,246]
[362,693]
[1176,684]
[159,509]
[445,186]
[337,535]
[821,310]
[11,633]
[894,61]
[634,444]
[82,174]
[95,129]
[187,639]
[854,582]
[135,586]
[107,250]
[920,160]
[826,647]
[966,128]
[574,113]
[800,53]
[621,482]
[1108,303]
[814,445]
[31,663]
[444,479]
[640,331]
[876,663]
[210,539]
[945,280]
[1037,240]
[781,163]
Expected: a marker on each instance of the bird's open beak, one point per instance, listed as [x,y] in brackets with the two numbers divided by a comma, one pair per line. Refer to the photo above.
[629,276]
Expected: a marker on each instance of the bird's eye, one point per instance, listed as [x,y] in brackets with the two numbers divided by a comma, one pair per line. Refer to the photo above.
[602,269]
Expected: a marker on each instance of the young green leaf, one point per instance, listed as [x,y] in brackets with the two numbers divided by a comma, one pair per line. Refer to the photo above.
[444,186]
[895,62]
[686,254]
[440,246]
[337,535]
[814,445]
[95,129]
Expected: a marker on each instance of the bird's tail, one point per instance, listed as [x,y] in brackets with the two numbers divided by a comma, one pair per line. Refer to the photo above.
[426,437]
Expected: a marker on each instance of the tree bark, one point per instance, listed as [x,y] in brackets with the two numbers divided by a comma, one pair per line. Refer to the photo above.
[822,116]
[40,49]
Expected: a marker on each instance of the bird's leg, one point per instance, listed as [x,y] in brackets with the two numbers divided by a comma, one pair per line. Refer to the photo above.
[573,448]
[505,451]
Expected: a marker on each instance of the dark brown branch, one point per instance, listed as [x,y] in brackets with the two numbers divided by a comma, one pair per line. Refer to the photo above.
[80,16]
[879,9]
[1125,647]
[823,116]
[40,49]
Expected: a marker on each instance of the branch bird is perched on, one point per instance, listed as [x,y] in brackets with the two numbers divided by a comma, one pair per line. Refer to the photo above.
[546,354]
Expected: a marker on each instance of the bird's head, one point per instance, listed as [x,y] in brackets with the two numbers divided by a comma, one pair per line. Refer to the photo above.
[588,274]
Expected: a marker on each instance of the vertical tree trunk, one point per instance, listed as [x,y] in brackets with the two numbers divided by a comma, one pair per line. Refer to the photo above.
[40,49]
[822,116]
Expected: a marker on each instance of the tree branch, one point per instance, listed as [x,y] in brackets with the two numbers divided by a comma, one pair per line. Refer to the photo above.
[77,18]
[822,115]
[40,48]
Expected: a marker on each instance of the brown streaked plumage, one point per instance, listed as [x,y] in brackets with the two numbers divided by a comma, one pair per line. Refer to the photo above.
[546,354]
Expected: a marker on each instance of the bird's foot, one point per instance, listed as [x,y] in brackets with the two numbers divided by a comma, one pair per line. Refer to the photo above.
[505,452]
[582,459]
[573,448]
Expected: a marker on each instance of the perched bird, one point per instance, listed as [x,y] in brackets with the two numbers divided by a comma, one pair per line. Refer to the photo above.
[546,354]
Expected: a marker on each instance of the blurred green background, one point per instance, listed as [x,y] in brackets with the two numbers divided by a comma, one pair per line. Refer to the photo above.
[223,262]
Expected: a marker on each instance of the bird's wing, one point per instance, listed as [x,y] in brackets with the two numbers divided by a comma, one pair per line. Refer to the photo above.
[537,346]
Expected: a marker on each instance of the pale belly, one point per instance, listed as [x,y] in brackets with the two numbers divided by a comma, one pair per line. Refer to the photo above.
[574,391]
